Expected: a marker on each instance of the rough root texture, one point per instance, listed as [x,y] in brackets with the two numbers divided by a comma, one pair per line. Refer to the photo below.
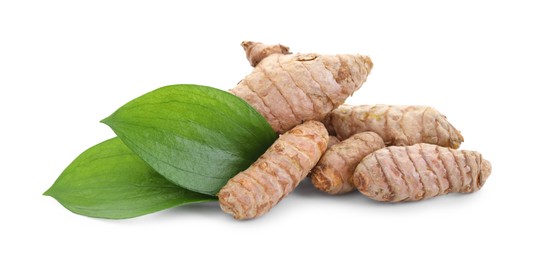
[333,173]
[397,125]
[276,173]
[421,171]
[256,51]
[333,140]
[288,89]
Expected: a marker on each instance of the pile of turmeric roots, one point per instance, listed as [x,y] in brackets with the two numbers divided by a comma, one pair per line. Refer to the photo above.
[388,153]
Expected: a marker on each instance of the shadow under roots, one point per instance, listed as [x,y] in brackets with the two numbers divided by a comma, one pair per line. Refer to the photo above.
[306,189]
[353,198]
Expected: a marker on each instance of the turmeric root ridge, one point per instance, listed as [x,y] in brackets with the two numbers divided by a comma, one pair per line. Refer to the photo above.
[421,171]
[276,173]
[397,125]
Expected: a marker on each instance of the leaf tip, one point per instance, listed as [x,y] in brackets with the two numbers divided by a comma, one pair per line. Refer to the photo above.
[106,120]
[109,121]
[52,191]
[47,192]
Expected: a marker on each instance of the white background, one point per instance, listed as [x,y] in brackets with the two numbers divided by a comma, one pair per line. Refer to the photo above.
[64,66]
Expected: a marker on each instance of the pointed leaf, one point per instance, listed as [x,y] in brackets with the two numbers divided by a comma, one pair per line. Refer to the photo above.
[110,181]
[196,136]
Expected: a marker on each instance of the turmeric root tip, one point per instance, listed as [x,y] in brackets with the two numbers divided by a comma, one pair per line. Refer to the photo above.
[333,173]
[256,51]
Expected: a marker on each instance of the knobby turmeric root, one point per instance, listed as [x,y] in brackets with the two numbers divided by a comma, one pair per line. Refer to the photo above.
[288,89]
[256,51]
[421,171]
[397,125]
[276,173]
[331,142]
[333,173]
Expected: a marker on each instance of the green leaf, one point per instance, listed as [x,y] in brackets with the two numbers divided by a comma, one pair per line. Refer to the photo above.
[110,181]
[196,136]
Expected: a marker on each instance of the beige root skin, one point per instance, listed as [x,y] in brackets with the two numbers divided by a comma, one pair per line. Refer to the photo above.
[421,171]
[276,173]
[397,125]
[288,89]
[333,173]
[333,140]
[256,51]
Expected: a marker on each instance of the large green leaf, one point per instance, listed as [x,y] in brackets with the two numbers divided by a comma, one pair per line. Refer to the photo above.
[110,181]
[196,136]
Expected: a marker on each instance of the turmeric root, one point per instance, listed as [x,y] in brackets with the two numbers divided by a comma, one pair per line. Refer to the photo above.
[276,173]
[333,173]
[397,125]
[257,51]
[333,140]
[288,89]
[421,171]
